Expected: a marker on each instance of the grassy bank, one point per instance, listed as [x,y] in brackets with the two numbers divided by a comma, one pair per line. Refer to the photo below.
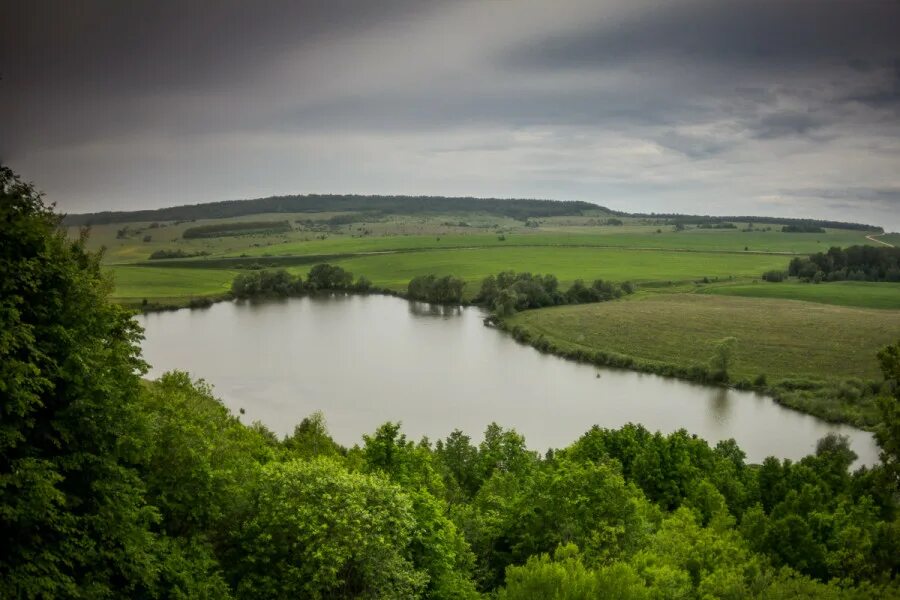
[814,357]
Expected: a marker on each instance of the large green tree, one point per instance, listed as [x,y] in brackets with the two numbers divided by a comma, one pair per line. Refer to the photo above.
[70,504]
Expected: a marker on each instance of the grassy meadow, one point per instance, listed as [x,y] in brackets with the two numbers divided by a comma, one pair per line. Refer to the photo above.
[169,284]
[390,250]
[865,294]
[782,340]
[567,263]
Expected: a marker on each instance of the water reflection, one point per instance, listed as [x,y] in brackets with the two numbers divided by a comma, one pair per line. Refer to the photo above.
[364,360]
[720,405]
[424,309]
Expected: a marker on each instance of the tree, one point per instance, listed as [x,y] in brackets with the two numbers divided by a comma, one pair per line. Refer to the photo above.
[329,277]
[311,438]
[887,434]
[459,460]
[723,354]
[505,303]
[318,531]
[71,503]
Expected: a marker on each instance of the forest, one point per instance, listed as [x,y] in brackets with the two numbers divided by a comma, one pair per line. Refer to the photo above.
[241,228]
[855,263]
[114,486]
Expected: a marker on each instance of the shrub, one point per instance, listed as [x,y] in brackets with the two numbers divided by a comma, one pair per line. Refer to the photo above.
[774,276]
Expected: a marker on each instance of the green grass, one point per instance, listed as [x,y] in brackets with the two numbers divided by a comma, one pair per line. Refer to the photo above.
[472,265]
[863,294]
[394,270]
[439,231]
[781,339]
[643,237]
[137,283]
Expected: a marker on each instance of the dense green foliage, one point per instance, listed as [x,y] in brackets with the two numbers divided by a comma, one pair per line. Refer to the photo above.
[441,290]
[508,292]
[236,228]
[856,263]
[69,428]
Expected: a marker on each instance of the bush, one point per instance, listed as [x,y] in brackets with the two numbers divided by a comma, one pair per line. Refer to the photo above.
[774,276]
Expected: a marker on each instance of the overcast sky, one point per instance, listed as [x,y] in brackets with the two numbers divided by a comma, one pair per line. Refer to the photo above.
[783,107]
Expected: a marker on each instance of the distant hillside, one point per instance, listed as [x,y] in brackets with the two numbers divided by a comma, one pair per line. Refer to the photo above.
[514,208]
[407,205]
[707,219]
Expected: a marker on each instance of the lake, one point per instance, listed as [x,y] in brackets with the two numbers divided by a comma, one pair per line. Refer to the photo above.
[364,360]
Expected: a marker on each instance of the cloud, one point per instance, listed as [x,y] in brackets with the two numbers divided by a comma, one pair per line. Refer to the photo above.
[774,34]
[701,106]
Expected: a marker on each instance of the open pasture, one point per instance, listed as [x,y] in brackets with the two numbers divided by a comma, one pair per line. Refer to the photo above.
[567,263]
[778,338]
[136,283]
[865,294]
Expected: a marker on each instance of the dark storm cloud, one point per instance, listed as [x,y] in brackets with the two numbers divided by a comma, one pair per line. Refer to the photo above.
[852,197]
[704,106]
[74,69]
[146,45]
[768,33]
[786,124]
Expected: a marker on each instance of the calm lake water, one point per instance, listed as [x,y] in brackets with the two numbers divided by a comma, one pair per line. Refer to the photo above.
[364,360]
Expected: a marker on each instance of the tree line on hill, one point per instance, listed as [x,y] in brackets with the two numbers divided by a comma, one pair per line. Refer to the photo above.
[176,253]
[802,228]
[115,487]
[855,263]
[708,219]
[376,206]
[521,209]
[235,228]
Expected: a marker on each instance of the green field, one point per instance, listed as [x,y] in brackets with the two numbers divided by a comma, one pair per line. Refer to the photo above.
[863,294]
[438,231]
[779,339]
[137,283]
[473,265]
[392,250]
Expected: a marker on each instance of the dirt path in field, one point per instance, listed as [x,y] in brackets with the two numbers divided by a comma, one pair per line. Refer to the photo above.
[872,237]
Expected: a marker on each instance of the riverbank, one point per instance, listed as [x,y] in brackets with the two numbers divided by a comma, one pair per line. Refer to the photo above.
[814,358]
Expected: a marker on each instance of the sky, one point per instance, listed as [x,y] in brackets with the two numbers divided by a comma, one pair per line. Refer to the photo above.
[783,108]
